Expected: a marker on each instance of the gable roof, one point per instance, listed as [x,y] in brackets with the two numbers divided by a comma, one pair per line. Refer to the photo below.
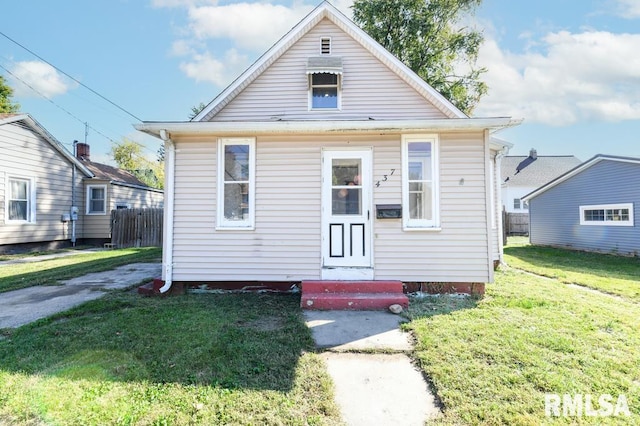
[327,10]
[522,170]
[579,169]
[37,128]
[115,175]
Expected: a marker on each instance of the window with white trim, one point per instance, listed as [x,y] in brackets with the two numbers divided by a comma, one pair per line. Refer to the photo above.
[324,91]
[516,203]
[607,215]
[236,183]
[420,209]
[96,199]
[20,203]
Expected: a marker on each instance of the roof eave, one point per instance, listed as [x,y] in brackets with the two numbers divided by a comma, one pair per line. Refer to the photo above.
[228,128]
[578,169]
[37,127]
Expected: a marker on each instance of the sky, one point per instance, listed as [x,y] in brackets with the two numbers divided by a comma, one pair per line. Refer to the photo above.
[569,68]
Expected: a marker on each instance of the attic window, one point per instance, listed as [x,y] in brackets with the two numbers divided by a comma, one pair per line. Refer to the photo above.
[325,46]
[325,81]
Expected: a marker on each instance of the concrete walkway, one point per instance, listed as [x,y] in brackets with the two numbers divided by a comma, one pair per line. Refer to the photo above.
[39,258]
[372,388]
[20,307]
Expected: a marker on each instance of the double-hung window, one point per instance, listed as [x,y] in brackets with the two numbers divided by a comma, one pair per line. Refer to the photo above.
[236,183]
[21,200]
[420,208]
[96,199]
[607,215]
[324,91]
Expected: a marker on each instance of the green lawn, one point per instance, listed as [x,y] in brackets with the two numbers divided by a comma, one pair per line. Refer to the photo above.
[605,272]
[49,272]
[491,361]
[195,359]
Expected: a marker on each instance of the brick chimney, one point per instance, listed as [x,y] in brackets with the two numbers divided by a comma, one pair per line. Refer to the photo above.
[83,151]
[533,153]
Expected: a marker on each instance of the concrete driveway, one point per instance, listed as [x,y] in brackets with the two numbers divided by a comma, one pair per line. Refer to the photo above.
[20,307]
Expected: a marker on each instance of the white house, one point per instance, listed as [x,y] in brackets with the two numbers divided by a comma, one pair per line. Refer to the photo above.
[51,199]
[328,159]
[522,174]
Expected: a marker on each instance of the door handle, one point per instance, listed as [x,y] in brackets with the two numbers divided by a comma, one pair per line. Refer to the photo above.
[368,214]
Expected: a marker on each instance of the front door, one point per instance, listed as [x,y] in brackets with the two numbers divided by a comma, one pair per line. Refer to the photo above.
[346,209]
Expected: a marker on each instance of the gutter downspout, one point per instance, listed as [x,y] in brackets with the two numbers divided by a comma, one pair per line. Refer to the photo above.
[73,195]
[169,191]
[498,177]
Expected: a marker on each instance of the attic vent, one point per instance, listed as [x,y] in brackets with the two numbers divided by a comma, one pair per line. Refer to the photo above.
[325,46]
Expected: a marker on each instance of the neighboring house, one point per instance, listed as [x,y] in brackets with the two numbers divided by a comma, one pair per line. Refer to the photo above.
[592,207]
[523,174]
[111,188]
[41,183]
[329,159]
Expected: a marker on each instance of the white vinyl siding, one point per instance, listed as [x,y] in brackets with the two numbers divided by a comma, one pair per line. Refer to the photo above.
[25,154]
[286,242]
[281,91]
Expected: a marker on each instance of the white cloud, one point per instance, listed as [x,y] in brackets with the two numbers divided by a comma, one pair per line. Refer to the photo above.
[588,76]
[42,77]
[205,67]
[629,9]
[253,26]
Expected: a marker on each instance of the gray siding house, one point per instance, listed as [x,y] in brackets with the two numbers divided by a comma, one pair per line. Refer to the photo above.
[592,207]
[43,188]
[329,159]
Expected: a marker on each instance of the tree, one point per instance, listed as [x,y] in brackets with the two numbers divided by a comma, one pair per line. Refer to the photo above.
[6,93]
[195,110]
[427,37]
[129,156]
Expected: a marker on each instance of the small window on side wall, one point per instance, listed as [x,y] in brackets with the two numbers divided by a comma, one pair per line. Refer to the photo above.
[420,186]
[96,199]
[516,203]
[607,215]
[236,183]
[324,91]
[20,204]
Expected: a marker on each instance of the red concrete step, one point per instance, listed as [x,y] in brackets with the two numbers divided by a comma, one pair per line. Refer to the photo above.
[312,286]
[152,288]
[352,301]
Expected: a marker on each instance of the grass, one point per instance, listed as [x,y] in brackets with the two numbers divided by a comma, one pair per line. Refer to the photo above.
[609,273]
[196,359]
[491,361]
[49,272]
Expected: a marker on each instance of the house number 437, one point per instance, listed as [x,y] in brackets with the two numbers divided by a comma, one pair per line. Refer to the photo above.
[385,178]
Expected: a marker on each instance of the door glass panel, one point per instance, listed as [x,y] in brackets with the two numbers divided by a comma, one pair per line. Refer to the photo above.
[346,188]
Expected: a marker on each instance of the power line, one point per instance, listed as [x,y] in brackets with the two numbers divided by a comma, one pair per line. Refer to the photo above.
[51,100]
[72,78]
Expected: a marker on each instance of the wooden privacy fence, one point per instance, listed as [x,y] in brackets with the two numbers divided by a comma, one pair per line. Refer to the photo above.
[136,227]
[516,223]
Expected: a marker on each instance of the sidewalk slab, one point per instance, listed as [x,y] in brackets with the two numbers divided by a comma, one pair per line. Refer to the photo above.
[40,258]
[357,330]
[380,389]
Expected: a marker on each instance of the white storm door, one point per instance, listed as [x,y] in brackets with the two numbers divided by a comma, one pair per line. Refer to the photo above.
[346,208]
